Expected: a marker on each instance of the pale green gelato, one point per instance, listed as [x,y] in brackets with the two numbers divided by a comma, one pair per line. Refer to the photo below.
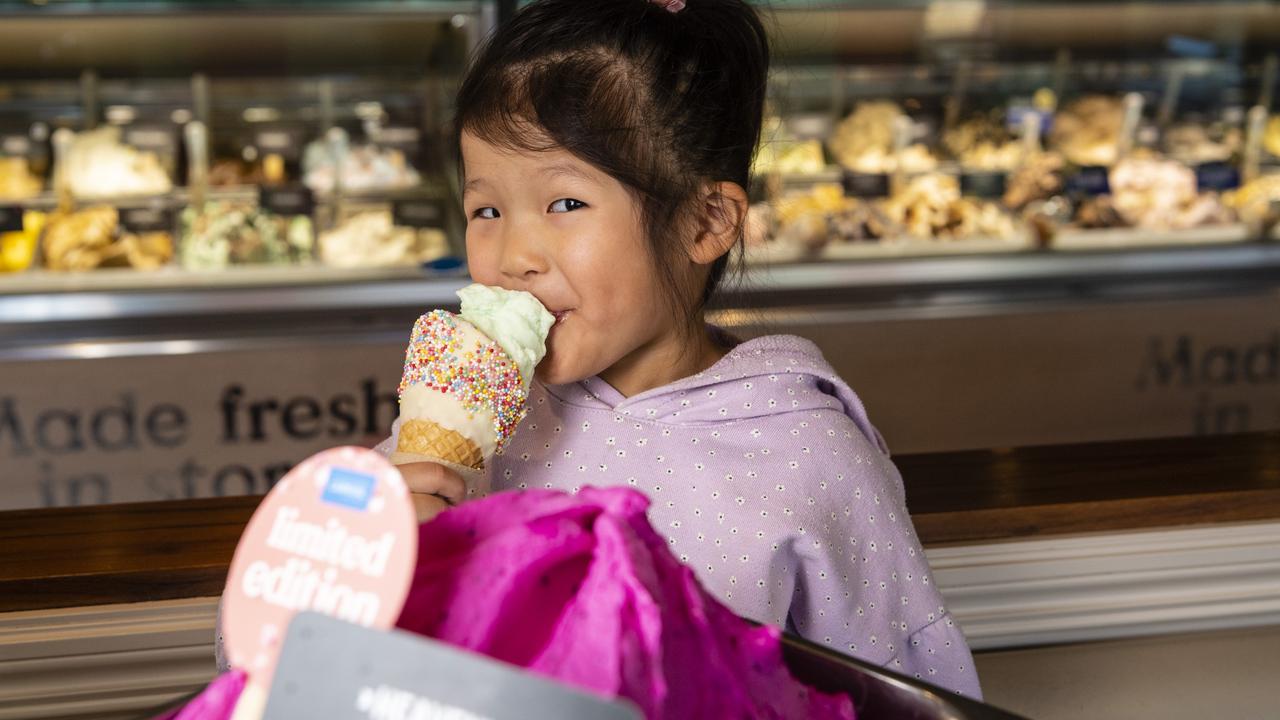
[512,318]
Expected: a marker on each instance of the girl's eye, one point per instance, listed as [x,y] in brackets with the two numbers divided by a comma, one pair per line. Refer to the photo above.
[566,205]
[486,213]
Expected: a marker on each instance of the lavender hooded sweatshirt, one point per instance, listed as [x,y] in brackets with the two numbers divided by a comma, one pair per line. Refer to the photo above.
[767,478]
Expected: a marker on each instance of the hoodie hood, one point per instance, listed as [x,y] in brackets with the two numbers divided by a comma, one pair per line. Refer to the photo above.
[727,391]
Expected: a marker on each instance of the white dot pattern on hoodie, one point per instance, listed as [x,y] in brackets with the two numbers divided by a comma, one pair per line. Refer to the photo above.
[768,480]
[786,504]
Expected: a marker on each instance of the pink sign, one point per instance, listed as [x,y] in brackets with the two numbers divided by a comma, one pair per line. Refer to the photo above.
[338,536]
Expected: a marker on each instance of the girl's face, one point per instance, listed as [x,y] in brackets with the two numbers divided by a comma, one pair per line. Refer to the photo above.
[553,225]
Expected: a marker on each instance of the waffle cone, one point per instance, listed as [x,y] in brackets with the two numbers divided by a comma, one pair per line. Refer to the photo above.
[430,439]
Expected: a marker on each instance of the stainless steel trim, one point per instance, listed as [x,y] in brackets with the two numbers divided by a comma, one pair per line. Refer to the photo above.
[414,8]
[92,306]
[888,284]
[788,319]
[142,346]
[138,347]
[1022,267]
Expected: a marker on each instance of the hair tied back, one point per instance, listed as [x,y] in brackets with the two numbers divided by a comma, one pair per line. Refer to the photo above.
[671,6]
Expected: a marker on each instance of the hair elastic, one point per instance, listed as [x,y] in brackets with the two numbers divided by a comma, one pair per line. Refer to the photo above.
[671,6]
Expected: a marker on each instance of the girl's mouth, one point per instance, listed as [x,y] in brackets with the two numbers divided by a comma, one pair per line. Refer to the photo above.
[560,315]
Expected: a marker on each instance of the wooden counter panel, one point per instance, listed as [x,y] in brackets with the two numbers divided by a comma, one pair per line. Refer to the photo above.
[1068,474]
[154,551]
[118,553]
[993,494]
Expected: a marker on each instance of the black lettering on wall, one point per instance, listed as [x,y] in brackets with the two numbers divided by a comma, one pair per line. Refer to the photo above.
[1262,361]
[374,402]
[301,418]
[11,428]
[273,473]
[228,473]
[257,410]
[1232,418]
[78,487]
[1219,366]
[160,487]
[230,405]
[114,428]
[48,494]
[1200,415]
[1163,370]
[58,432]
[1210,418]
[87,489]
[343,410]
[189,475]
[167,425]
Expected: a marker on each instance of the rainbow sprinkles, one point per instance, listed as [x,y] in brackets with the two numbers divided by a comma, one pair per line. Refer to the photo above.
[480,376]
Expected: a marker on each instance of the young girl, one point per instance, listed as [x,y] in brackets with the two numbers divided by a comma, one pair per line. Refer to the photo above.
[605,150]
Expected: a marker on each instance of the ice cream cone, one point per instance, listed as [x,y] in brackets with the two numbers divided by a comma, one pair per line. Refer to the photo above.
[429,440]
[467,377]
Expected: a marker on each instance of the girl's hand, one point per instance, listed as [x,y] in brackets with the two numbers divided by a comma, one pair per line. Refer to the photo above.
[434,488]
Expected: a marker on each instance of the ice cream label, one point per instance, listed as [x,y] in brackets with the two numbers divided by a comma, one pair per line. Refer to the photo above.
[336,536]
[1217,177]
[418,213]
[147,219]
[981,184]
[866,185]
[332,669]
[1090,181]
[10,218]
[287,200]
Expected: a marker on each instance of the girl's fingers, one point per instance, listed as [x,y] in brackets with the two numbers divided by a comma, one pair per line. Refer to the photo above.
[431,479]
[427,507]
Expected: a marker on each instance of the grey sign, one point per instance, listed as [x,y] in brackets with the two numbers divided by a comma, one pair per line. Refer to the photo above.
[332,669]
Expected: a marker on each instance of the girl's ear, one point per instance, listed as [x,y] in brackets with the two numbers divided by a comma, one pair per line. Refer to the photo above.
[723,215]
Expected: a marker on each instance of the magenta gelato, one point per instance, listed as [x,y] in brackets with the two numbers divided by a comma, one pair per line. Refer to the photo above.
[581,589]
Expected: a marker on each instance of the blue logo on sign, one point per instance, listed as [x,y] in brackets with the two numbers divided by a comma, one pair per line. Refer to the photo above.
[348,488]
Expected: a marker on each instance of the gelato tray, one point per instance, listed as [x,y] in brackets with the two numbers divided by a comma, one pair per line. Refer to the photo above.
[1124,238]
[916,247]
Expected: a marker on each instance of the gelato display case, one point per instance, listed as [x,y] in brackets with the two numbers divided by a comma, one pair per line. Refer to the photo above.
[951,128]
[163,142]
[894,130]
[232,186]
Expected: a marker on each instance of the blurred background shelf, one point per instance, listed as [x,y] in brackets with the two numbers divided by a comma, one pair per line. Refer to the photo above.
[924,208]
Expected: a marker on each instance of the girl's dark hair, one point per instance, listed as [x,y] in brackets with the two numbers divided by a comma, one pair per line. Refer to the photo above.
[662,102]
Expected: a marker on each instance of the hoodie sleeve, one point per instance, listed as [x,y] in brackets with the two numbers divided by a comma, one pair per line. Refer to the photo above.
[863,585]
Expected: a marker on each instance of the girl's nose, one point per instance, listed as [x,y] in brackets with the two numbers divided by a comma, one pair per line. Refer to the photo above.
[523,254]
